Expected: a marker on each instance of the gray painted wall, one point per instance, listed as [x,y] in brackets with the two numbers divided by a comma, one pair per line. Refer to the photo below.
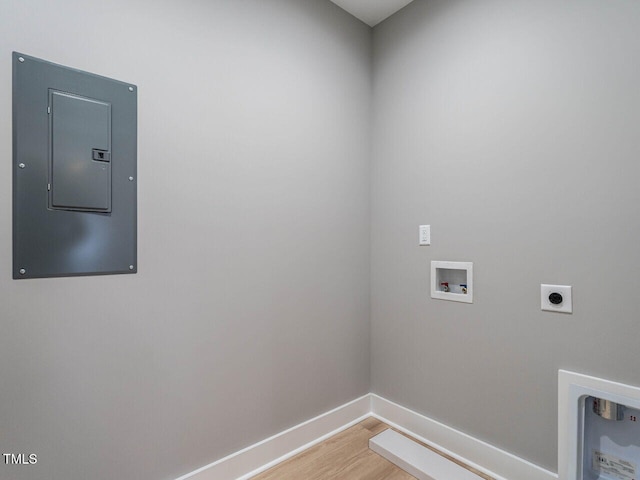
[250,313]
[513,128]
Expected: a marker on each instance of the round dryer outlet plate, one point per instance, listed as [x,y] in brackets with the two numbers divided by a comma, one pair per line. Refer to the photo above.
[556,298]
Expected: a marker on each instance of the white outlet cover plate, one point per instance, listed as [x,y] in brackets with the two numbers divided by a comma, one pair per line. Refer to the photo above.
[424,237]
[567,302]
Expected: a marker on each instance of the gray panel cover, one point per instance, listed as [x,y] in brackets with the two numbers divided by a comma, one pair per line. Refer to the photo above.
[78,127]
[51,237]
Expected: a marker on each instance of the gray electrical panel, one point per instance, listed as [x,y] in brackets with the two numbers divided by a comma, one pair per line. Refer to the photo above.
[74,172]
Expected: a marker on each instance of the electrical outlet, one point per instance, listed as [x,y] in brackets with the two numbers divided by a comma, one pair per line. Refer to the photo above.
[556,298]
[425,235]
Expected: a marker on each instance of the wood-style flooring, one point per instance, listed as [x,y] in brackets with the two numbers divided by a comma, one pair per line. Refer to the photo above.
[345,456]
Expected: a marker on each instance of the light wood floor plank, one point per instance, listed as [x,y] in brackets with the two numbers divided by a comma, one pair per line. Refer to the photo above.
[345,456]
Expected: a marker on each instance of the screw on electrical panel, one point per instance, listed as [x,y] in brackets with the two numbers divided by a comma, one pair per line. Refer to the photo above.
[131,89]
[21,59]
[22,271]
[131,179]
[130,267]
[21,165]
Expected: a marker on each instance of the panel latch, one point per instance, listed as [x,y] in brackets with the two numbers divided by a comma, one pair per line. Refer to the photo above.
[101,155]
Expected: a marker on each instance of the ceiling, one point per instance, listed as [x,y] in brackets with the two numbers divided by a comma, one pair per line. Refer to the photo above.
[371,12]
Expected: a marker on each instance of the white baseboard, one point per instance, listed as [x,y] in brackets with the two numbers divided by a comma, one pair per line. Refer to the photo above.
[263,455]
[480,455]
[252,460]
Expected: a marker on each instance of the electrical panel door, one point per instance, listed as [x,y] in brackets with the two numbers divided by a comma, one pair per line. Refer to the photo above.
[80,136]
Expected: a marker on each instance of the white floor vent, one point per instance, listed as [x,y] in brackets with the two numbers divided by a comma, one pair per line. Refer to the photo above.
[419,461]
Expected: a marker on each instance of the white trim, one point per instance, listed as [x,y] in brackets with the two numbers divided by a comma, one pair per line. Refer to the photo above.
[457,296]
[573,388]
[252,460]
[476,453]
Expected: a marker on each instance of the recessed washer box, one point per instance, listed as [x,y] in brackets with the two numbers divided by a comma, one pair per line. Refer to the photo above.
[74,172]
[452,281]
